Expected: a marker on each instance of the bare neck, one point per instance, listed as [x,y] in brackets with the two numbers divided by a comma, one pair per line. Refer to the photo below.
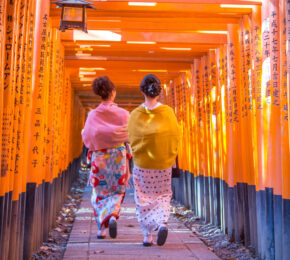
[150,102]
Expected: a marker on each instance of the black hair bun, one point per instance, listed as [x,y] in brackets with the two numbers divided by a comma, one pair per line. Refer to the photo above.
[150,86]
[103,87]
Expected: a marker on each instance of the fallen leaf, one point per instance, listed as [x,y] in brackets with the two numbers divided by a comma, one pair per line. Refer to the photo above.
[99,251]
[178,215]
[69,197]
[191,235]
[45,248]
[231,240]
[70,219]
[58,229]
[130,225]
[66,230]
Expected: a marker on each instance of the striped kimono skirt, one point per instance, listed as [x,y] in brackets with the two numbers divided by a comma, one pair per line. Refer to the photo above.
[107,176]
[152,196]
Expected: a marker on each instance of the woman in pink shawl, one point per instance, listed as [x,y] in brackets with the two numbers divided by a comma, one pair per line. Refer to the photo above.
[105,135]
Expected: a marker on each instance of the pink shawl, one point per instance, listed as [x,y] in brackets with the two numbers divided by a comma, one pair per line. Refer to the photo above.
[106,126]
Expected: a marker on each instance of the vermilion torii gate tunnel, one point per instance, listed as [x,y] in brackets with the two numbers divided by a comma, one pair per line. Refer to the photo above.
[224,67]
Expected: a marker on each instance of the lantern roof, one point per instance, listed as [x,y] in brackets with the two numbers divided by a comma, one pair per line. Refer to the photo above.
[74,2]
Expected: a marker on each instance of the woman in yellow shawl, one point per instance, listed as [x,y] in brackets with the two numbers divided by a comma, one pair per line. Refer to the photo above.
[153,135]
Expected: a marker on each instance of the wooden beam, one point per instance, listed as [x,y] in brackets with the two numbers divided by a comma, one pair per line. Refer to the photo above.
[84,91]
[96,59]
[131,104]
[114,46]
[149,21]
[86,63]
[127,51]
[161,9]
[128,71]
[161,37]
[236,2]
[118,99]
[155,25]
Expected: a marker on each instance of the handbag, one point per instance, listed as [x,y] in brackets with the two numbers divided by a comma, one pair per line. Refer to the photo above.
[175,173]
[175,170]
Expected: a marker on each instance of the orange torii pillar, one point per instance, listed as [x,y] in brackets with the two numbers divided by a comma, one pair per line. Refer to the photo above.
[274,142]
[8,126]
[20,103]
[205,129]
[193,138]
[247,186]
[2,51]
[2,64]
[215,129]
[223,133]
[285,111]
[33,226]
[198,91]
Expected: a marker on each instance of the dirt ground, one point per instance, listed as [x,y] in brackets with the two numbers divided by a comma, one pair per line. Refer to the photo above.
[55,246]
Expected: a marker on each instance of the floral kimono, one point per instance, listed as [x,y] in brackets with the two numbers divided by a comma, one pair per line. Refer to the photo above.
[107,176]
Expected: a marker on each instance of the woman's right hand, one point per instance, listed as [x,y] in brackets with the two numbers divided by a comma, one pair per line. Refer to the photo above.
[128,175]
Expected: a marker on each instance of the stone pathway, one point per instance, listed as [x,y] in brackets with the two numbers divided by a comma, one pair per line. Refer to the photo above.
[84,245]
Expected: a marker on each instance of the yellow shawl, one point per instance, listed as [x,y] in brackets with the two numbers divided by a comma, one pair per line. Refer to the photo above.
[154,136]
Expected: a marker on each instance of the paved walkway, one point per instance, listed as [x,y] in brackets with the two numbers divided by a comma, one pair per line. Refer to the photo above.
[83,243]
